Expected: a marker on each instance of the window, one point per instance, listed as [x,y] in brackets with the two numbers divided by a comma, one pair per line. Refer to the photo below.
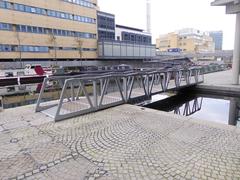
[59,32]
[33,10]
[9,5]
[5,26]
[55,31]
[2,4]
[35,30]
[23,28]
[18,28]
[40,30]
[29,29]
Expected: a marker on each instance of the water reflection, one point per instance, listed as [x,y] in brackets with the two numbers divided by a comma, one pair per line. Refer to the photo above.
[20,89]
[189,108]
[219,109]
[14,96]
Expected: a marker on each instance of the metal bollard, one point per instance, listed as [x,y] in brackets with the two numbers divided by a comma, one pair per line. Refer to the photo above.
[1,104]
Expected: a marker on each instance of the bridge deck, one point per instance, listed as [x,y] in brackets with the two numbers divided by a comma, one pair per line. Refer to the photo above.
[112,89]
[110,98]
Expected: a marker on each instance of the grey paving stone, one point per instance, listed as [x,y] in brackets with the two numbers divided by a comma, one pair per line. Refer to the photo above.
[124,142]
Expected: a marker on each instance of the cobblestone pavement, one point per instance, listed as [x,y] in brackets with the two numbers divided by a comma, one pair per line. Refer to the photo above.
[125,142]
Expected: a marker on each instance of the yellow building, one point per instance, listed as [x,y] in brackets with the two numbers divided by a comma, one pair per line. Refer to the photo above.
[186,40]
[48,29]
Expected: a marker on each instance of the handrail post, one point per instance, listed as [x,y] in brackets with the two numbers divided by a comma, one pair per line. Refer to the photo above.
[95,95]
[61,100]
[40,95]
[147,85]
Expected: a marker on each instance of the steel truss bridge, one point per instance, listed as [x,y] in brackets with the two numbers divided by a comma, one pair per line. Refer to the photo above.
[93,92]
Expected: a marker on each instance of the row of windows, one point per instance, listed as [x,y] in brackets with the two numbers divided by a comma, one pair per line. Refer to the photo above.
[5,26]
[136,38]
[105,22]
[41,30]
[26,48]
[15,48]
[45,12]
[81,3]
[104,35]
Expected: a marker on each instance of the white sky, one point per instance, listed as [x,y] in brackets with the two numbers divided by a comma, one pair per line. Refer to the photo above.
[171,15]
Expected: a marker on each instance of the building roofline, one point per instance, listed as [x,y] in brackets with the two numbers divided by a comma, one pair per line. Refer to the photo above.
[223,2]
[105,13]
[129,28]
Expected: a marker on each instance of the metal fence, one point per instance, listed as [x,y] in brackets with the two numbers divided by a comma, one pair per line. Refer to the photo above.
[89,93]
[214,68]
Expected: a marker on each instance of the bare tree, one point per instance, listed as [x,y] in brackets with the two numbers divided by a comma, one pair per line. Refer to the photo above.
[19,48]
[53,40]
[79,47]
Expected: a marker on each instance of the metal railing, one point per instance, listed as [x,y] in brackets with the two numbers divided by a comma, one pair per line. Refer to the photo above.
[89,93]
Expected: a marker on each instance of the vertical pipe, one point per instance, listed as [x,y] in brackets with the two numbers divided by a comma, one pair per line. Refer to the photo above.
[148,13]
[236,52]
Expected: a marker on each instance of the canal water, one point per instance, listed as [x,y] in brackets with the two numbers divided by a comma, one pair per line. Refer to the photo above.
[220,109]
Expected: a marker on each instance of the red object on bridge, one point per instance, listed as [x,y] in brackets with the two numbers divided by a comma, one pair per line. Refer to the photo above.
[39,70]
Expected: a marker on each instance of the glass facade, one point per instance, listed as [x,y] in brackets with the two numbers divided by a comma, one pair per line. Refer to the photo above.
[106,26]
[136,38]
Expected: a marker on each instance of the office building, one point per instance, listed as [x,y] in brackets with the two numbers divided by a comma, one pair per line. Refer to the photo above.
[186,40]
[132,35]
[217,38]
[106,26]
[48,30]
[122,42]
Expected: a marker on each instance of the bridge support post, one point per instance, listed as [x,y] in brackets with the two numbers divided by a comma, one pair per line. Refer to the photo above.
[236,52]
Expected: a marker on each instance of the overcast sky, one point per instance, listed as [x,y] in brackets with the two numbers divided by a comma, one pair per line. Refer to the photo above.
[171,15]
